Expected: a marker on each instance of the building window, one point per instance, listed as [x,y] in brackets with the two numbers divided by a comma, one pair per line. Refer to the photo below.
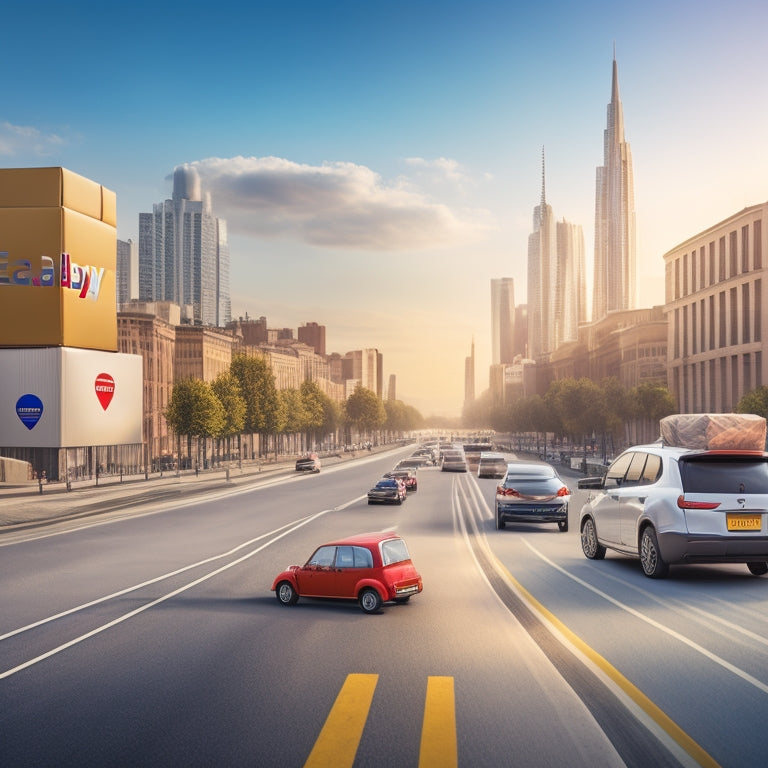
[686,343]
[721,319]
[734,382]
[745,248]
[712,336]
[746,317]
[702,267]
[734,315]
[712,280]
[746,366]
[685,274]
[694,326]
[758,325]
[721,259]
[757,245]
[676,335]
[677,278]
[703,325]
[734,253]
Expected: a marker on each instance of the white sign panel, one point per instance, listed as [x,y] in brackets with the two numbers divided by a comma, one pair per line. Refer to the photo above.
[60,397]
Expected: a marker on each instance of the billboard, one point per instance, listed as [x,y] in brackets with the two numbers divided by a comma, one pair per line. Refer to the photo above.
[58,251]
[62,397]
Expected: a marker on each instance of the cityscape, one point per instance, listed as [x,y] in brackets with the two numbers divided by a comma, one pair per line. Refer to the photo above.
[383,384]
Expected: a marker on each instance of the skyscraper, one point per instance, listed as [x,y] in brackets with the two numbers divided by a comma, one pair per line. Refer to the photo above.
[127,271]
[469,377]
[542,265]
[502,320]
[184,252]
[556,280]
[615,240]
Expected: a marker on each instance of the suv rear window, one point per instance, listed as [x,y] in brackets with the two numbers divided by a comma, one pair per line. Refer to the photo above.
[737,474]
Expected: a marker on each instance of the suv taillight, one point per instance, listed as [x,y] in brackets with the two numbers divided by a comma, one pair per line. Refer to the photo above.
[683,503]
[564,491]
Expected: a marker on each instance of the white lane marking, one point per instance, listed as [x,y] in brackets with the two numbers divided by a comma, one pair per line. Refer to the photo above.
[174,593]
[655,624]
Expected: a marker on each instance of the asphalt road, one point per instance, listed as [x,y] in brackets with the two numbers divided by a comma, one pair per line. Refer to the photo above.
[150,637]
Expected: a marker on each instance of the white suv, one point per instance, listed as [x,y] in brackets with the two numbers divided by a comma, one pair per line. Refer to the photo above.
[674,505]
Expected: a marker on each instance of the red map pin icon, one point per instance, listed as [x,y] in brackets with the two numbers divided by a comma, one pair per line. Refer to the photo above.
[105,389]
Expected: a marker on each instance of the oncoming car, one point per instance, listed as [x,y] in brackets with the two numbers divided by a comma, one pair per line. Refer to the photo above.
[372,568]
[532,492]
[669,505]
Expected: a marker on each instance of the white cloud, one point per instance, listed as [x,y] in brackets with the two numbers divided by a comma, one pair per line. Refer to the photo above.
[20,139]
[336,204]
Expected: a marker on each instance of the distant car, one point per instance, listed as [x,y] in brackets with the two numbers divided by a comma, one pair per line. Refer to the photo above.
[408,476]
[492,465]
[372,568]
[670,505]
[532,492]
[308,463]
[453,461]
[414,462]
[389,490]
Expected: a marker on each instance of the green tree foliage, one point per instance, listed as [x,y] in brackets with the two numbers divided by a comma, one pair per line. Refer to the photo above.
[227,389]
[755,402]
[263,408]
[314,407]
[364,410]
[195,411]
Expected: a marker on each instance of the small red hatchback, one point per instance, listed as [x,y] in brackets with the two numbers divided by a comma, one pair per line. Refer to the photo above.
[372,568]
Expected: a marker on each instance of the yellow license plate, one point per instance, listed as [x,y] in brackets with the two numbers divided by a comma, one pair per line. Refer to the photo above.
[744,522]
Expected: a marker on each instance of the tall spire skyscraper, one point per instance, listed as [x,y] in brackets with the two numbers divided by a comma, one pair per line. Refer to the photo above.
[542,265]
[615,240]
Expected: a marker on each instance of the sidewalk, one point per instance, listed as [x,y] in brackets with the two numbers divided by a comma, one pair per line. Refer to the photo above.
[24,506]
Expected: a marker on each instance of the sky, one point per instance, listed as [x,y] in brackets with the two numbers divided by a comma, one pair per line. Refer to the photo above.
[378,161]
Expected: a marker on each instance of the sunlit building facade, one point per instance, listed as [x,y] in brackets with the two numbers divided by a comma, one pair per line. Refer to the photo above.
[502,320]
[716,313]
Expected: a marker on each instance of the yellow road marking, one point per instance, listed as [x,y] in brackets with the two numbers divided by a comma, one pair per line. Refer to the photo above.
[438,733]
[337,743]
[654,712]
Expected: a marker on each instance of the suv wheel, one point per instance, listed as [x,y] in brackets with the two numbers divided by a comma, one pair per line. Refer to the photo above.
[590,546]
[650,557]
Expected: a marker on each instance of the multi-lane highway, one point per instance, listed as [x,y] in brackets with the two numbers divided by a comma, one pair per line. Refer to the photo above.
[153,639]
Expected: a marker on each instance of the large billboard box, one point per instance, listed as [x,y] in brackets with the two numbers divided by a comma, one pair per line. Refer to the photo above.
[58,251]
[60,397]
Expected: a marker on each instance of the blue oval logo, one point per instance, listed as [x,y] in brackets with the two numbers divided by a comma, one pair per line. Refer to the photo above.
[29,408]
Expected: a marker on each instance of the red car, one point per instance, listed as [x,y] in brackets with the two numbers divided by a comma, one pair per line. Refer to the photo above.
[408,476]
[372,568]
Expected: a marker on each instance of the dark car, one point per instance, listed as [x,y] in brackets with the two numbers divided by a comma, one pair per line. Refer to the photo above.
[532,492]
[408,476]
[389,490]
[308,463]
[371,568]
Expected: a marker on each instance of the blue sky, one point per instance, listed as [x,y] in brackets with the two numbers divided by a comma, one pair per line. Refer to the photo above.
[378,162]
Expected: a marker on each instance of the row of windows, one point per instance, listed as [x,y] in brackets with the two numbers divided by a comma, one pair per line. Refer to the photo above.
[725,319]
[716,386]
[717,261]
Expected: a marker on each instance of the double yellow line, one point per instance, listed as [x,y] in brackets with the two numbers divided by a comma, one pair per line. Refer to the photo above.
[340,737]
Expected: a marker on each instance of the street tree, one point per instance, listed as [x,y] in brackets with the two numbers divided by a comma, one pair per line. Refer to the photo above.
[227,390]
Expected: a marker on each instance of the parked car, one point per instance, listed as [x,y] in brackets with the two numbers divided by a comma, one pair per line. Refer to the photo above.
[308,463]
[372,568]
[670,506]
[389,490]
[532,492]
[492,465]
[408,476]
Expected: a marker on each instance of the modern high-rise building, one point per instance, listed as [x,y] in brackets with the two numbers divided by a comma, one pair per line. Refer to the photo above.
[184,252]
[127,271]
[570,300]
[615,239]
[542,265]
[469,377]
[556,280]
[502,320]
